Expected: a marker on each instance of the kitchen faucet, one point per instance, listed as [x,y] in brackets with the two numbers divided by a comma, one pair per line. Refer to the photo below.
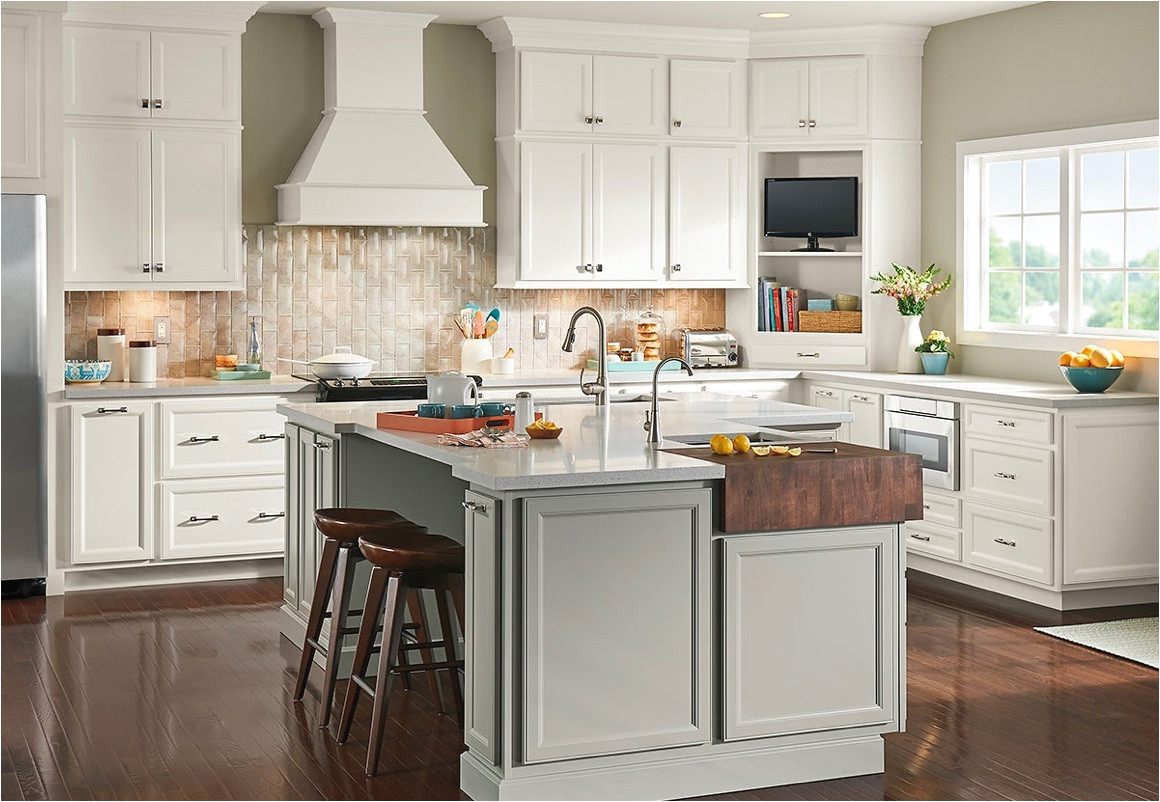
[598,388]
[651,421]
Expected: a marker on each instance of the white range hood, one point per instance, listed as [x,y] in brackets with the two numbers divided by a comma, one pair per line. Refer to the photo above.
[374,159]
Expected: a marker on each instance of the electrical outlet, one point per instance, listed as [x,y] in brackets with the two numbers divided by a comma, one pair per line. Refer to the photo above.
[161,330]
[539,327]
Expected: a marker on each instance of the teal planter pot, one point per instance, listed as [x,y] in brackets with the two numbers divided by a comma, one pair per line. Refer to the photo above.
[935,364]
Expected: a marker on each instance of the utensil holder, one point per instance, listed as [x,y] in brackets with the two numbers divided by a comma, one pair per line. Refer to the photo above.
[476,356]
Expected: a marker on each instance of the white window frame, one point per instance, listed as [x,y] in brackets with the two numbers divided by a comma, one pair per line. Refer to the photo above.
[971,158]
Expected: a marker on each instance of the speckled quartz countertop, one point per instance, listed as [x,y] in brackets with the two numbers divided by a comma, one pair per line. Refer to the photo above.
[193,386]
[599,446]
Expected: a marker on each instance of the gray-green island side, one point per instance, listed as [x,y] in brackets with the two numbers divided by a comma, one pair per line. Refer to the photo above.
[617,643]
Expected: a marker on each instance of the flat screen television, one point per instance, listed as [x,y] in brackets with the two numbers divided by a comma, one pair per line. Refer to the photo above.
[811,208]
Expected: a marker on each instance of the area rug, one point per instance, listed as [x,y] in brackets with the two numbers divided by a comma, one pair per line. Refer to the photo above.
[1133,638]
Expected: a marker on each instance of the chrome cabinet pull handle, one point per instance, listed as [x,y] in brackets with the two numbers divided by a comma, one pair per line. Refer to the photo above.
[801,123]
[321,446]
[1002,475]
[599,268]
[676,123]
[926,506]
[1005,422]
[813,123]
[211,439]
[677,267]
[146,268]
[923,538]
[1003,542]
[266,516]
[826,393]
[159,267]
[144,102]
[860,397]
[475,506]
[808,354]
[111,410]
[265,438]
[157,103]
[193,519]
[588,119]
[600,121]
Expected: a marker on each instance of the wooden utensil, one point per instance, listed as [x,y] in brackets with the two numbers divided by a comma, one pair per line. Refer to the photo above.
[477,327]
[491,327]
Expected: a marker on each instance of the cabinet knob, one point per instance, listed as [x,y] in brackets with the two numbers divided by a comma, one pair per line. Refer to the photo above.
[600,121]
[813,123]
[157,103]
[111,410]
[146,268]
[676,123]
[801,123]
[475,506]
[193,519]
[926,506]
[677,267]
[588,119]
[599,268]
[159,267]
[144,102]
[321,446]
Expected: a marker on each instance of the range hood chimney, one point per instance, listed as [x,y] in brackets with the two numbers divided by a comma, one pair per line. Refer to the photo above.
[374,159]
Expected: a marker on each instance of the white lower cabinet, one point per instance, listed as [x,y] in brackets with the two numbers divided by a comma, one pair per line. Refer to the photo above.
[809,642]
[1008,542]
[482,623]
[1015,476]
[313,484]
[112,482]
[866,407]
[241,436]
[636,638]
[935,540]
[219,517]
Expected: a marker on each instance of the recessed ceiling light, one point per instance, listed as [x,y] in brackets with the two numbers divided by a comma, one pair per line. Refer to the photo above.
[774,15]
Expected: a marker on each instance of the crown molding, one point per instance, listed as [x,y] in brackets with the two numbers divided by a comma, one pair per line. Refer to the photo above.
[876,40]
[329,16]
[506,33]
[222,16]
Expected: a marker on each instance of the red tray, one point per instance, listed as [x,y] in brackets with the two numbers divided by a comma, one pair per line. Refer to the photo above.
[411,422]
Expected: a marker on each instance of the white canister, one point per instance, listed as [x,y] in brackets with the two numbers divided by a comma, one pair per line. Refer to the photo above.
[142,361]
[111,347]
[476,356]
[525,411]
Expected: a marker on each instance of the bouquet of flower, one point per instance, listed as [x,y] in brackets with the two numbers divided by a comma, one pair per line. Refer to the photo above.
[936,343]
[910,288]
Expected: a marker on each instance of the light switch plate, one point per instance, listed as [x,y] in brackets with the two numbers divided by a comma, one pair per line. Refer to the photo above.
[539,327]
[161,330]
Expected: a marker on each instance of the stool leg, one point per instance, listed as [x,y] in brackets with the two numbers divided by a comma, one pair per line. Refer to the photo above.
[343,581]
[322,585]
[368,628]
[450,647]
[417,604]
[388,654]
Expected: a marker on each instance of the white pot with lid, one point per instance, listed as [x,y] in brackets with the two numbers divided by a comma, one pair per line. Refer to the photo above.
[341,364]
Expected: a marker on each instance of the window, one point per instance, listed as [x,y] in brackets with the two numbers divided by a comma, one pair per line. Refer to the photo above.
[1061,237]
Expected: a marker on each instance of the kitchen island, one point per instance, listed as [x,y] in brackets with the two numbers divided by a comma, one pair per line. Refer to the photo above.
[619,641]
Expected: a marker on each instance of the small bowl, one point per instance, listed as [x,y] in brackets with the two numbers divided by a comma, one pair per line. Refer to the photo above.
[846,303]
[86,371]
[431,410]
[1091,380]
[503,367]
[463,411]
[544,434]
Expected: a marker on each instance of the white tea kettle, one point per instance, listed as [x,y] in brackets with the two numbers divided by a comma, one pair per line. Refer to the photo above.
[451,388]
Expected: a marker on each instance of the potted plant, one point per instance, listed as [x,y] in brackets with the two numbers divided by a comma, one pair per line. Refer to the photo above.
[935,352]
[911,290]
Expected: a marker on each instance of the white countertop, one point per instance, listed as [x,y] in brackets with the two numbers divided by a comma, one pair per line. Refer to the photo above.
[599,446]
[194,385]
[550,378]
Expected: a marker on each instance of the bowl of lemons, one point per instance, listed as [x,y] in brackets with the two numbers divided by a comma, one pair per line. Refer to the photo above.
[544,429]
[1092,370]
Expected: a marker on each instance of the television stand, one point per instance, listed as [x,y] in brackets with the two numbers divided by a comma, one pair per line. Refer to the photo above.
[812,245]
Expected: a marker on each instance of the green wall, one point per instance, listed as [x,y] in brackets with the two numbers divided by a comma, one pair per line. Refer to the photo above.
[1044,67]
[282,103]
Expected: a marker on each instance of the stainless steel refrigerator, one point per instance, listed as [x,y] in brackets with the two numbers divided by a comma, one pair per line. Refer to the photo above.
[23,402]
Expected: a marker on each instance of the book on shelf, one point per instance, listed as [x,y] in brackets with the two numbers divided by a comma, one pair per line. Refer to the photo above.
[778,306]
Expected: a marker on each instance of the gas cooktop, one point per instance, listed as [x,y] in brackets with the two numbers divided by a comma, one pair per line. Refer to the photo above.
[376,387]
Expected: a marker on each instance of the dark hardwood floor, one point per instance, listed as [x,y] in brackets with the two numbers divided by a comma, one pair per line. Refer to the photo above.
[183,693]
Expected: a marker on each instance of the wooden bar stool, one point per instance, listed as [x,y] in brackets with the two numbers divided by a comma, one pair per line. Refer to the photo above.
[401,563]
[341,529]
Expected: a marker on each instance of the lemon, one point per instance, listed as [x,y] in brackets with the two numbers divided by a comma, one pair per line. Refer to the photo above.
[1081,361]
[741,444]
[1101,358]
[1087,349]
[781,451]
[794,452]
[724,447]
[716,440]
[761,451]
[1066,357]
[1117,358]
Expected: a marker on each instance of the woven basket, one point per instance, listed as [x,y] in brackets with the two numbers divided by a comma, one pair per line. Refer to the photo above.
[838,322]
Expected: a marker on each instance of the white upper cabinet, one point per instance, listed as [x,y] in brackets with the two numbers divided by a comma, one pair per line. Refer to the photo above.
[555,211]
[133,73]
[21,117]
[107,206]
[706,214]
[706,99]
[628,212]
[195,76]
[556,92]
[196,216]
[580,93]
[820,97]
[628,95]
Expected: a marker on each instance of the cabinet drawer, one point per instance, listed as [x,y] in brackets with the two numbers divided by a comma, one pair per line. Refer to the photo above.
[1009,474]
[806,355]
[944,510]
[1019,545]
[934,541]
[225,437]
[1024,425]
[221,517]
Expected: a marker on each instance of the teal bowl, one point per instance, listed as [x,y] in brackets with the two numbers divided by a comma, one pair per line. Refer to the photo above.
[1091,380]
[86,371]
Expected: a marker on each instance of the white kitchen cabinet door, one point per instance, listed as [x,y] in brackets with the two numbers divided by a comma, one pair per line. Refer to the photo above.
[481,635]
[809,631]
[628,95]
[197,207]
[826,398]
[112,482]
[222,517]
[195,76]
[21,97]
[107,210]
[780,98]
[706,213]
[220,437]
[294,517]
[838,96]
[866,428]
[556,92]
[582,696]
[628,212]
[706,98]
[555,211]
[106,72]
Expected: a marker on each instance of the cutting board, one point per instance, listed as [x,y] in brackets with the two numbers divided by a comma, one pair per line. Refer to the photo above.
[855,487]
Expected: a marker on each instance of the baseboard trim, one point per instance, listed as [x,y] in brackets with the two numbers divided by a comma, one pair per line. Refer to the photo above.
[161,574]
[680,777]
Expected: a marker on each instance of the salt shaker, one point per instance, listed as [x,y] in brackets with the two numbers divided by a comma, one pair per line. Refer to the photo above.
[525,411]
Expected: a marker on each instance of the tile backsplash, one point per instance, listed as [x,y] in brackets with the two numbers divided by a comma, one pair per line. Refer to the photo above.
[389,293]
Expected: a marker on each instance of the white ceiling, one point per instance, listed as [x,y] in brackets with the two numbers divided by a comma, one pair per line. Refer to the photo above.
[739,14]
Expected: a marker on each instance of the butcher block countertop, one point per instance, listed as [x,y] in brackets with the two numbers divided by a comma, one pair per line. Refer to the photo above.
[856,486]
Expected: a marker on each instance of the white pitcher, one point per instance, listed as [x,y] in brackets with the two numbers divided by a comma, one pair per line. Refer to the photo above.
[451,388]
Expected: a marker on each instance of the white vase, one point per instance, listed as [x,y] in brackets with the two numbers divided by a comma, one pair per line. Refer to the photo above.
[908,359]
